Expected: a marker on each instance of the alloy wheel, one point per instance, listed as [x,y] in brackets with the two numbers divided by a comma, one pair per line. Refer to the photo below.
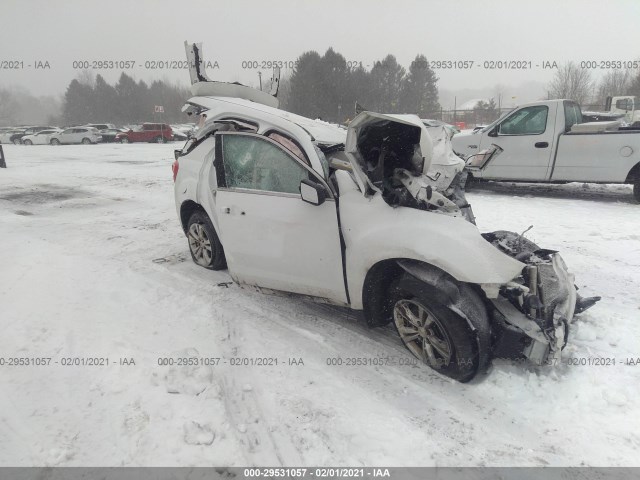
[200,244]
[422,332]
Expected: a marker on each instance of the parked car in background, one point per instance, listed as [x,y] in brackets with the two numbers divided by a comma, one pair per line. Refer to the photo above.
[8,133]
[85,135]
[12,136]
[179,135]
[17,139]
[100,126]
[109,134]
[147,132]
[42,137]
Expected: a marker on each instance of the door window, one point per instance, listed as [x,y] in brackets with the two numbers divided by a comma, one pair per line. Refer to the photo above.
[257,164]
[526,121]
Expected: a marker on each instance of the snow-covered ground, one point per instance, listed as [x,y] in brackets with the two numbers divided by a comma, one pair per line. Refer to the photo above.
[93,263]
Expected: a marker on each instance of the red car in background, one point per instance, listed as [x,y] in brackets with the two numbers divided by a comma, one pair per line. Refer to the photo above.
[147,132]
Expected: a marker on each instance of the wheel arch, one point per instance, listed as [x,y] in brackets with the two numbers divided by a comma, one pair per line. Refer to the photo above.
[466,300]
[188,208]
[634,174]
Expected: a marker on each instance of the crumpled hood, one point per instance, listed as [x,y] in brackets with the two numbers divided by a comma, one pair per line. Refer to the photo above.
[367,119]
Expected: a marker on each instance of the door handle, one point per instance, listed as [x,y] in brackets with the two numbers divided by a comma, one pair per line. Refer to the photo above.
[541,144]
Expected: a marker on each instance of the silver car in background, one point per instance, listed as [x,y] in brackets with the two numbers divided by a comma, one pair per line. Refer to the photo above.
[74,135]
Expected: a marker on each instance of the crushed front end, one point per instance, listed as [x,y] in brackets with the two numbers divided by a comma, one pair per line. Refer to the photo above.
[533,312]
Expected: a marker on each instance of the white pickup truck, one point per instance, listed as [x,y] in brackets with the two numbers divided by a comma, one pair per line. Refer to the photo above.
[546,141]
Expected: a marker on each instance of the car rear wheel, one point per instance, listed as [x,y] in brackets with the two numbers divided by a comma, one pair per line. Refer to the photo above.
[86,141]
[432,332]
[54,141]
[159,140]
[204,245]
[124,140]
[28,142]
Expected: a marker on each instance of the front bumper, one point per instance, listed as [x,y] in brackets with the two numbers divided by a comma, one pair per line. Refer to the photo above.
[535,324]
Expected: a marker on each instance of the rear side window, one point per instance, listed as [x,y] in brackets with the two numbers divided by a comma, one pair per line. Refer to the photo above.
[526,121]
[572,115]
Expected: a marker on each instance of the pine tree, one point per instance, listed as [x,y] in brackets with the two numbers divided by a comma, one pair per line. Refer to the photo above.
[419,92]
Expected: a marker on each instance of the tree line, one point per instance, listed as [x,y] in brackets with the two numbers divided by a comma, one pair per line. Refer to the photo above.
[328,87]
[89,100]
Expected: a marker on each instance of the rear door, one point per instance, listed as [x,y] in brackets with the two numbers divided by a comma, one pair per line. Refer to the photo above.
[67,135]
[271,237]
[526,137]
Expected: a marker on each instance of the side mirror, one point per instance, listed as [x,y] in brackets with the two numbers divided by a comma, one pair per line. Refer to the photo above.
[312,192]
[494,131]
[176,154]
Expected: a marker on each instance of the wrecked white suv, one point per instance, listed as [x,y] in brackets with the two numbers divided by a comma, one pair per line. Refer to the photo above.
[373,218]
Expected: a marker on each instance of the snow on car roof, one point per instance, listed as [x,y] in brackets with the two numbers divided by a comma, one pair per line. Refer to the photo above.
[321,131]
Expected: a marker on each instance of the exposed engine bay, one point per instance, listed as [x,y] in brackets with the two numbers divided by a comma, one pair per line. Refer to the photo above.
[414,166]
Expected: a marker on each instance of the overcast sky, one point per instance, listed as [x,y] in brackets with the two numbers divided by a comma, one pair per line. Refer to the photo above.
[62,32]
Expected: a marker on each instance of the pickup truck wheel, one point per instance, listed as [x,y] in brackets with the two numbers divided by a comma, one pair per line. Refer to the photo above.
[636,189]
[434,333]
[204,245]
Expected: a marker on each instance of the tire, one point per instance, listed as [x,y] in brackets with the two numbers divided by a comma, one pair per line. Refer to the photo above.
[86,141]
[437,335]
[124,140]
[159,140]
[16,141]
[54,141]
[636,189]
[28,142]
[204,244]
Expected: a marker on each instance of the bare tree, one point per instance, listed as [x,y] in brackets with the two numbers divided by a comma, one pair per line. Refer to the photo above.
[571,82]
[614,83]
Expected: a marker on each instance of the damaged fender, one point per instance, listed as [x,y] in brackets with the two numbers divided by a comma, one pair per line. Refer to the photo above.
[449,243]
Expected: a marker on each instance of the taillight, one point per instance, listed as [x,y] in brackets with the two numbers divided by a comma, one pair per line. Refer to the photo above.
[175,167]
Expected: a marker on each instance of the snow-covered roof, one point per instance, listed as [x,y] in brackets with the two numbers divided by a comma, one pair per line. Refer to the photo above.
[321,131]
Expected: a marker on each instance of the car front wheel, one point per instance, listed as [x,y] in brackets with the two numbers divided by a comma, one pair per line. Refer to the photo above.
[124,140]
[55,141]
[204,245]
[28,142]
[433,333]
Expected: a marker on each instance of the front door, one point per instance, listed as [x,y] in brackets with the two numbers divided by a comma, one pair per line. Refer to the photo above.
[526,137]
[271,237]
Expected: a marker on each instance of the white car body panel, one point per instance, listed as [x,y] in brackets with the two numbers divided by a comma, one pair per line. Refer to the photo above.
[40,138]
[373,231]
[272,250]
[603,157]
[279,242]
